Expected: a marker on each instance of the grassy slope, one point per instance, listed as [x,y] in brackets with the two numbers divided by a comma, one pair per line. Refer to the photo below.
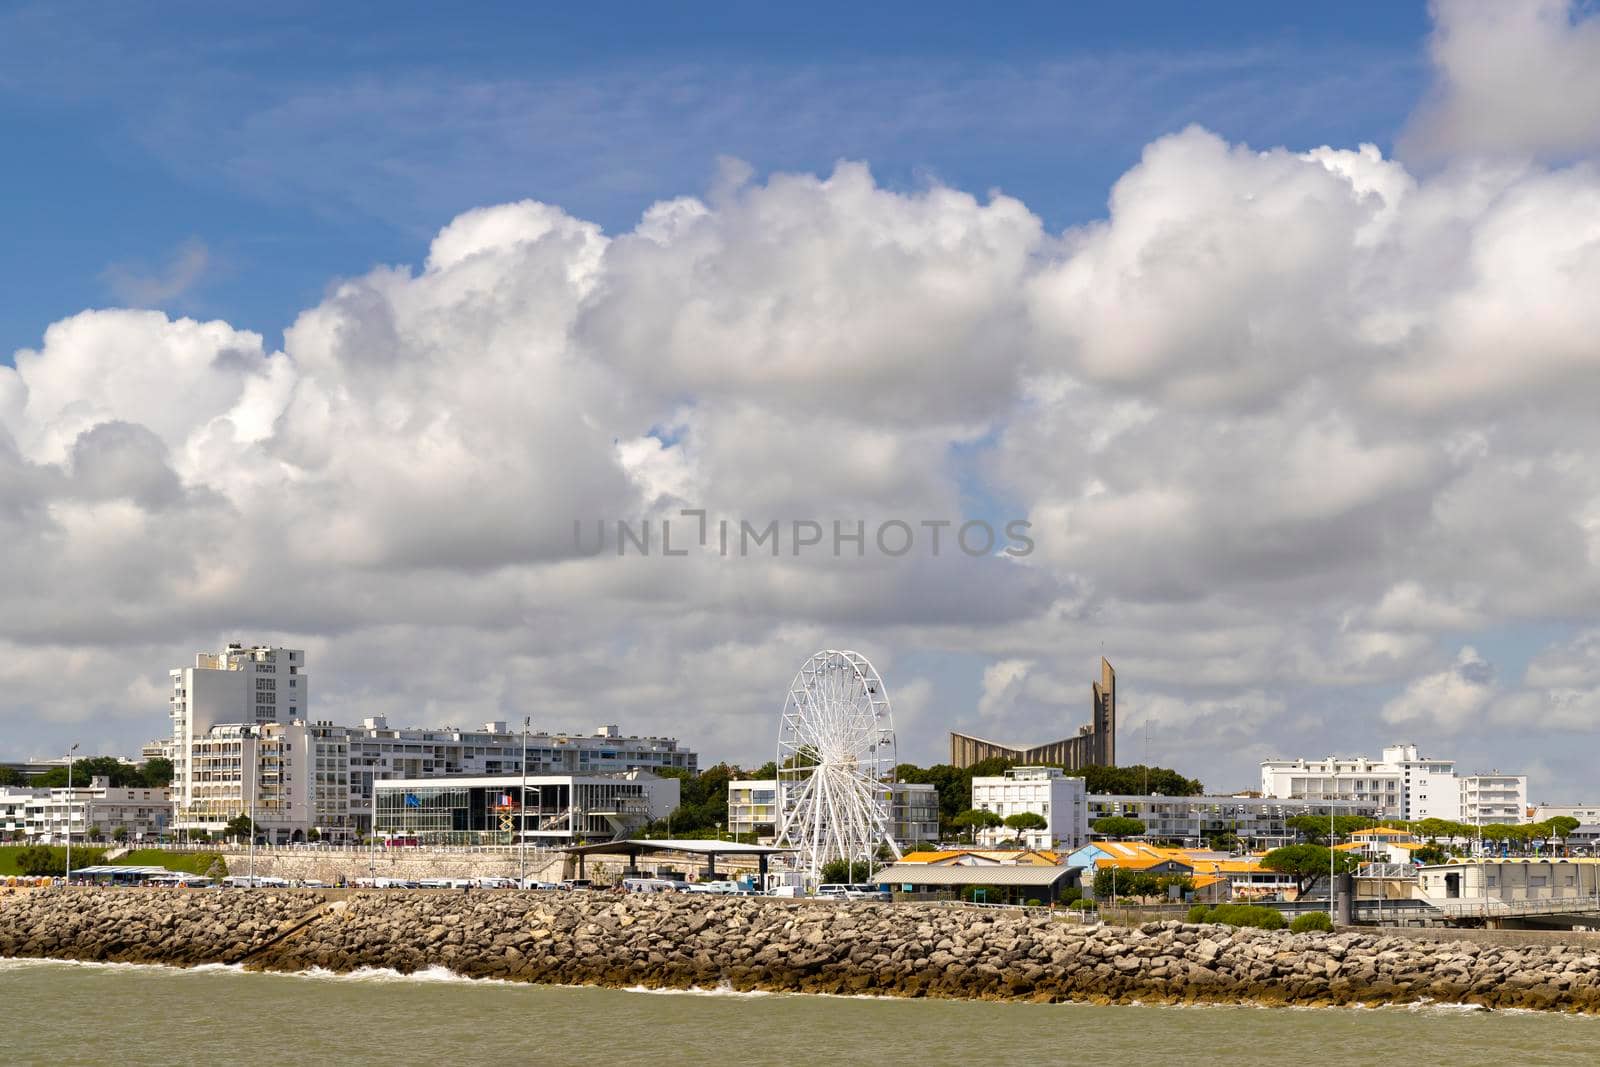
[81,857]
[193,862]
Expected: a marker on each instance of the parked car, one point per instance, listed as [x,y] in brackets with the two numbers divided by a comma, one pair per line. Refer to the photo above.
[868,891]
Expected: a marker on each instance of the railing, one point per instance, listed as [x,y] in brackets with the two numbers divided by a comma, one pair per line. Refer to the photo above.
[1492,909]
[1389,871]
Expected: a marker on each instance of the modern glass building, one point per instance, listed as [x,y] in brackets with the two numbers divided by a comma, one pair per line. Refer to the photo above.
[557,808]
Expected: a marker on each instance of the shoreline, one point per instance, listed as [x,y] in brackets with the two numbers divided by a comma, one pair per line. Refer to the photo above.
[739,946]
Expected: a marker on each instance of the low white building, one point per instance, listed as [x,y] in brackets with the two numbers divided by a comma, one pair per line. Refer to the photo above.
[1044,791]
[1256,822]
[1498,888]
[754,808]
[97,811]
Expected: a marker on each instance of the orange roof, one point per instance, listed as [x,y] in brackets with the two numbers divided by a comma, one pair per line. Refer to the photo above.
[1382,831]
[1128,863]
[1349,847]
[1036,857]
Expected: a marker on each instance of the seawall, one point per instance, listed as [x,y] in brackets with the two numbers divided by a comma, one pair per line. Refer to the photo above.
[681,941]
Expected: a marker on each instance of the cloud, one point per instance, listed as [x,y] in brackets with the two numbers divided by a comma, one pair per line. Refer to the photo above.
[1510,78]
[139,286]
[1449,700]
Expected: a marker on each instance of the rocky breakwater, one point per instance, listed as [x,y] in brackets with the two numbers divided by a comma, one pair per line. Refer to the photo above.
[677,941]
[178,927]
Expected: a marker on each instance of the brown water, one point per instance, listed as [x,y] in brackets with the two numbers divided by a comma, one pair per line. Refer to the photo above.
[65,1013]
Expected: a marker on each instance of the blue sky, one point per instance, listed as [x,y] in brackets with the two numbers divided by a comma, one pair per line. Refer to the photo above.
[311,141]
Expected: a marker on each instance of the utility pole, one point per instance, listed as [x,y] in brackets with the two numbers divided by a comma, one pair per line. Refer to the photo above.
[522,811]
[70,753]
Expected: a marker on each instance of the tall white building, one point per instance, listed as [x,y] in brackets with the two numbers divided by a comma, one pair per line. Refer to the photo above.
[1403,784]
[236,687]
[1044,791]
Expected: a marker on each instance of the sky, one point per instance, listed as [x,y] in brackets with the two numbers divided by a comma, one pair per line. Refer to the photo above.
[322,326]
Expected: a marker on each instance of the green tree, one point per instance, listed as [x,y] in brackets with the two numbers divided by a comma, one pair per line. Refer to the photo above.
[1429,855]
[1139,780]
[1307,862]
[1561,826]
[1226,841]
[10,776]
[157,772]
[122,775]
[1118,826]
[836,872]
[1314,828]
[1111,880]
[1027,820]
[240,826]
[120,834]
[37,861]
[975,819]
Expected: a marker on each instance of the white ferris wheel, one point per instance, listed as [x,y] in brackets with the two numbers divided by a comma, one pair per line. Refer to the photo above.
[836,760]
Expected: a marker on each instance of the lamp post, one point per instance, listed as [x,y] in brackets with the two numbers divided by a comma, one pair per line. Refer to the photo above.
[522,811]
[250,733]
[70,753]
[1331,915]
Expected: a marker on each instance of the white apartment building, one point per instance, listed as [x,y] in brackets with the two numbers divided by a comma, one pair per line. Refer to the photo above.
[378,752]
[1256,822]
[96,812]
[1044,791]
[13,811]
[1488,799]
[753,808]
[236,687]
[1403,784]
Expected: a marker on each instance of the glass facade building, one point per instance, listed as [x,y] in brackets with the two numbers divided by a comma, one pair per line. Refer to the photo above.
[557,809]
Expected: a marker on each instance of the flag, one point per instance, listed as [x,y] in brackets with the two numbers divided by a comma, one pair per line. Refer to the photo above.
[413,801]
[505,800]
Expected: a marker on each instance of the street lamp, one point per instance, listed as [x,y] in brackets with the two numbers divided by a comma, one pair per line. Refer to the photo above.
[1331,916]
[70,752]
[252,733]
